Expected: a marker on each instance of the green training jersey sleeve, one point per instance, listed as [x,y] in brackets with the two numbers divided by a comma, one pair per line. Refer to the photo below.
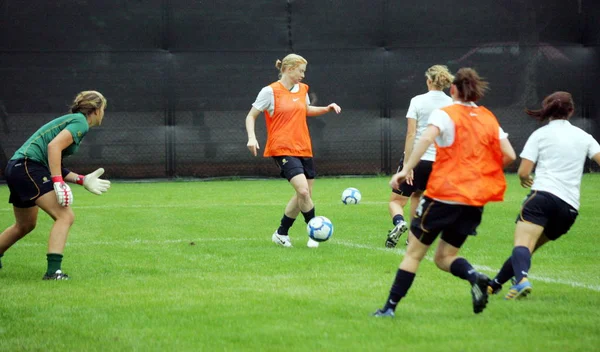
[36,147]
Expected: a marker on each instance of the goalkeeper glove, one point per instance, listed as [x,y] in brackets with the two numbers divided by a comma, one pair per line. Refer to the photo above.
[64,196]
[93,183]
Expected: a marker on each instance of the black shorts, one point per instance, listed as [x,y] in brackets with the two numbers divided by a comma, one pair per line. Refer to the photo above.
[454,221]
[421,172]
[547,210]
[291,166]
[27,180]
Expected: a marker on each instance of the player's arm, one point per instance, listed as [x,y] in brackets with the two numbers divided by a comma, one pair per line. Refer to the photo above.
[508,152]
[250,123]
[596,158]
[524,172]
[420,148]
[91,182]
[61,142]
[321,110]
[411,132]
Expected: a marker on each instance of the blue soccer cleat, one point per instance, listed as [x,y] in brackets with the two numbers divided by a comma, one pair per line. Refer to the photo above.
[379,313]
[520,290]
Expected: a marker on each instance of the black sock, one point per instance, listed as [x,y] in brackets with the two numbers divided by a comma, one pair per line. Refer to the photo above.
[286,223]
[463,269]
[521,262]
[1,255]
[402,283]
[504,274]
[397,218]
[309,215]
[54,262]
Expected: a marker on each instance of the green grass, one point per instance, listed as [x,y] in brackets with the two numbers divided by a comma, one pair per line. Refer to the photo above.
[189,266]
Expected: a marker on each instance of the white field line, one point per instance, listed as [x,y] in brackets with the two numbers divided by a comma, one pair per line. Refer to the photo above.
[336,242]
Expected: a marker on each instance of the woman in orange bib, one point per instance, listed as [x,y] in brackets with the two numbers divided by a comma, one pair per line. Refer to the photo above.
[286,105]
[471,152]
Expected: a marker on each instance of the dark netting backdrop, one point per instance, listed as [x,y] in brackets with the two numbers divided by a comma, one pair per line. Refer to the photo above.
[180,76]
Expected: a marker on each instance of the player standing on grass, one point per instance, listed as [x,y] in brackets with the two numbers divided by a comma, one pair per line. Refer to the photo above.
[421,106]
[286,105]
[471,152]
[36,178]
[557,151]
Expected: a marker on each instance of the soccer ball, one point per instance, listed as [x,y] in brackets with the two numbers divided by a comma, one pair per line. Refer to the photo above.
[319,228]
[351,196]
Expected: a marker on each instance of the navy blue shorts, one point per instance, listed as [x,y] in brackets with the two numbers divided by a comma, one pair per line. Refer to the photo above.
[455,221]
[290,166]
[548,211]
[27,180]
[421,172]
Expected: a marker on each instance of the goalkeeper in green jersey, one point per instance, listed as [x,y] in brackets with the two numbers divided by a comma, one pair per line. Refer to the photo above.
[36,178]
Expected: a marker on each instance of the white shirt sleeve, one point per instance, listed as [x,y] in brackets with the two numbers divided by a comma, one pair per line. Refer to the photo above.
[594,147]
[442,120]
[531,149]
[307,99]
[412,110]
[265,100]
[502,135]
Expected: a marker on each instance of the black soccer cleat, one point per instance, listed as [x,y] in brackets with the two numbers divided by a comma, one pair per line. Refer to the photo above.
[394,235]
[494,287]
[479,293]
[58,275]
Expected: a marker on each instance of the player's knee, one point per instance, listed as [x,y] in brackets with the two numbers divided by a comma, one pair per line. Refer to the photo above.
[25,228]
[441,261]
[303,192]
[67,217]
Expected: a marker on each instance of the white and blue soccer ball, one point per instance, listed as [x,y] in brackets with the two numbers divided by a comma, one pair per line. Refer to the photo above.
[319,228]
[351,196]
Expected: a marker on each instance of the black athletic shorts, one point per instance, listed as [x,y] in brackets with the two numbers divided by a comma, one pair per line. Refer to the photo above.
[421,172]
[547,210]
[291,166]
[454,221]
[27,180]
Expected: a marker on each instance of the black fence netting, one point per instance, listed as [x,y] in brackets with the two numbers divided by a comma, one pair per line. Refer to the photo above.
[180,76]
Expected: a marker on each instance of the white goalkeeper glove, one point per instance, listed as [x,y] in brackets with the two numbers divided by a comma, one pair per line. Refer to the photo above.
[64,196]
[93,183]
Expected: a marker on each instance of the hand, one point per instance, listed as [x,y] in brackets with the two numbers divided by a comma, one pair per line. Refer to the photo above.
[410,177]
[64,196]
[397,179]
[94,184]
[527,182]
[253,146]
[334,107]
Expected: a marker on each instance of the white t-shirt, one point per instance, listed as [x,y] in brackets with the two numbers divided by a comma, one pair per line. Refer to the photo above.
[442,120]
[559,150]
[266,101]
[420,108]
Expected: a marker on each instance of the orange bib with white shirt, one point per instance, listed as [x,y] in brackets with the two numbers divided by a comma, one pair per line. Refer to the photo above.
[470,170]
[287,131]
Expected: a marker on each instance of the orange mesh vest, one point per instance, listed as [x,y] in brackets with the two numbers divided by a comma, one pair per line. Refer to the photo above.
[287,131]
[470,170]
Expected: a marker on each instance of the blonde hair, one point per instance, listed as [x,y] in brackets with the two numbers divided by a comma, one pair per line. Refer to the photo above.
[440,76]
[289,62]
[87,102]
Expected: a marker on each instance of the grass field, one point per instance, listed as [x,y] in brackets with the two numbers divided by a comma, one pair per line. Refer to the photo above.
[189,266]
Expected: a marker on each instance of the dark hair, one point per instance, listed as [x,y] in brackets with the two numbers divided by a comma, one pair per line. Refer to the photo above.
[470,86]
[558,105]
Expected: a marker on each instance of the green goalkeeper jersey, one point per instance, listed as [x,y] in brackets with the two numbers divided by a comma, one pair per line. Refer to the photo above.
[36,147]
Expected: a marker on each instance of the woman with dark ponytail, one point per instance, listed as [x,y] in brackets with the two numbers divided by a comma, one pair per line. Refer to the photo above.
[471,153]
[557,151]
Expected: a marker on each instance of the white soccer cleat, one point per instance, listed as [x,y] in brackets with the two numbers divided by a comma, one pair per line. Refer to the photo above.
[312,243]
[283,241]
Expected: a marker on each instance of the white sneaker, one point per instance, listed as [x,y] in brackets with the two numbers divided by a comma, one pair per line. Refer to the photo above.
[283,241]
[312,243]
